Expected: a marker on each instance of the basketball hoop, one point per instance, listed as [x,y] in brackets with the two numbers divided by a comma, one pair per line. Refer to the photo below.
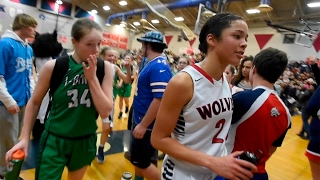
[307,35]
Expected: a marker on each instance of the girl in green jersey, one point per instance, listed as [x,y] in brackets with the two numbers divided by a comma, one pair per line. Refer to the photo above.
[69,138]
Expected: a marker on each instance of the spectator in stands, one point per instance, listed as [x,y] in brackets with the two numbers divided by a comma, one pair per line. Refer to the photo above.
[230,72]
[303,99]
[183,62]
[242,78]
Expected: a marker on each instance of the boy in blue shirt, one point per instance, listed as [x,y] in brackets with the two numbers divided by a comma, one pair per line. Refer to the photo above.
[16,81]
[151,85]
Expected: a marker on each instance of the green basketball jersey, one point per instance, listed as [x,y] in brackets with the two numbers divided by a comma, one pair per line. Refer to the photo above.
[124,70]
[72,113]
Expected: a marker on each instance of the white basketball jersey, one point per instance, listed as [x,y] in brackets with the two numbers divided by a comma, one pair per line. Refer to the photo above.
[234,89]
[204,122]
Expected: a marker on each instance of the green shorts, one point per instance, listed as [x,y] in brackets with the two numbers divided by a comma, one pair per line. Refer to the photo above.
[125,90]
[57,152]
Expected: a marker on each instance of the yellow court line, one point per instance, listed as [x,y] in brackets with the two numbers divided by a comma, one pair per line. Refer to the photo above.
[97,171]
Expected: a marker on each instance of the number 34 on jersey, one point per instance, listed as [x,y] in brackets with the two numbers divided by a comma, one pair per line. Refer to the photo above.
[78,99]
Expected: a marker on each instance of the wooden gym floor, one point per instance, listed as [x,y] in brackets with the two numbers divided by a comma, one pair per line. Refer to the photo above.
[288,162]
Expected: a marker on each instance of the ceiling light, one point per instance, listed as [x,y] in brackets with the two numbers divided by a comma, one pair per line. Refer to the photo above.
[59,2]
[143,20]
[155,21]
[208,14]
[314,4]
[106,8]
[264,8]
[93,11]
[252,11]
[123,3]
[179,19]
[136,23]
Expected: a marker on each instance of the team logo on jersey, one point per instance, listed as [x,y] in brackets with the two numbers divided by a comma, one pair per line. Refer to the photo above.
[22,65]
[9,167]
[198,79]
[274,112]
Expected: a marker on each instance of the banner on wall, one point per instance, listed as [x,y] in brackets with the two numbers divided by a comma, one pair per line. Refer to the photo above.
[316,43]
[80,13]
[263,39]
[192,41]
[50,5]
[115,40]
[32,3]
[168,39]
[123,39]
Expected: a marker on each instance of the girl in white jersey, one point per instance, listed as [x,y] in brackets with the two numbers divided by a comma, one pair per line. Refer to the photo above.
[195,112]
[107,54]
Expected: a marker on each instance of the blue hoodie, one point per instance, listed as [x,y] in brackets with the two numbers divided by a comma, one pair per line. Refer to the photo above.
[15,70]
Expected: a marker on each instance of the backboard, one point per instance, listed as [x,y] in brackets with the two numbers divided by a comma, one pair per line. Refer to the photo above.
[309,33]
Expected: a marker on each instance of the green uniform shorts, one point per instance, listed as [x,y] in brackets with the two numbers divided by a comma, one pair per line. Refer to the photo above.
[125,90]
[57,152]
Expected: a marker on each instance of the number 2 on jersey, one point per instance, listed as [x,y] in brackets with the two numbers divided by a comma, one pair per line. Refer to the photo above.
[74,93]
[219,125]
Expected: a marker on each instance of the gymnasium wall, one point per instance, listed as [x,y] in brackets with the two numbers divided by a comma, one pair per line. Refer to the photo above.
[294,51]
[46,20]
[47,23]
[117,38]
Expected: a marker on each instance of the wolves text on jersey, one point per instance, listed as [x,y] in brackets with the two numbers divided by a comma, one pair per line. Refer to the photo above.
[217,107]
